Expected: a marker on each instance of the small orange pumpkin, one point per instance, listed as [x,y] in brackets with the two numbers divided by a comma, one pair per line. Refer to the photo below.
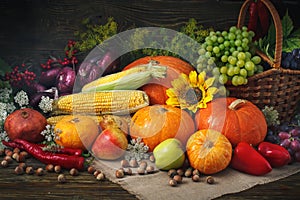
[76,132]
[156,90]
[209,151]
[239,120]
[157,123]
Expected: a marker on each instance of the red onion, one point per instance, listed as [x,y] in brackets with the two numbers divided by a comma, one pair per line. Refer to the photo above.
[65,80]
[48,78]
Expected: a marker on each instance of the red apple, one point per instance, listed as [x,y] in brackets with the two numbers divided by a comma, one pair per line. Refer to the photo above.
[111,144]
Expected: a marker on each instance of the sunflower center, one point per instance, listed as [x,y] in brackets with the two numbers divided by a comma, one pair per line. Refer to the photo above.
[193,96]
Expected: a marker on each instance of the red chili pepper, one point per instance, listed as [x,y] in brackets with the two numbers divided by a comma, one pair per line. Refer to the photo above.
[263,18]
[65,161]
[253,16]
[275,154]
[64,150]
[246,159]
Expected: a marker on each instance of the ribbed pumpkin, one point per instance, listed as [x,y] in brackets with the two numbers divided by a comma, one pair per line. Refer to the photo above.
[157,123]
[76,132]
[239,120]
[209,151]
[156,90]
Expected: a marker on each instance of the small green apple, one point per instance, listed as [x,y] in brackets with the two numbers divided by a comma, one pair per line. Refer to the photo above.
[169,154]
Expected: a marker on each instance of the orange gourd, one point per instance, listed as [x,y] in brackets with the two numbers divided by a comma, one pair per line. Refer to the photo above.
[156,90]
[209,151]
[76,132]
[239,120]
[157,123]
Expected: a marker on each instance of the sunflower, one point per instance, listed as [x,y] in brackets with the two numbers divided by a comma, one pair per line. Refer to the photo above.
[191,91]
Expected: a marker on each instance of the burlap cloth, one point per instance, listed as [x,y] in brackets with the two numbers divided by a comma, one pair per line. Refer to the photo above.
[155,186]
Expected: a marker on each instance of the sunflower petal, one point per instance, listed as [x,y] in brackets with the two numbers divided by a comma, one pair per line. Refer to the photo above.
[212,90]
[209,82]
[201,78]
[172,102]
[193,78]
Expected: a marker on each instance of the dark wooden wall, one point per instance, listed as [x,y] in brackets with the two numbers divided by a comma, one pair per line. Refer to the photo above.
[36,28]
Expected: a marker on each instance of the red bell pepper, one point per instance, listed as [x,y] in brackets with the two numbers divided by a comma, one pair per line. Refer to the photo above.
[253,16]
[275,154]
[246,159]
[263,17]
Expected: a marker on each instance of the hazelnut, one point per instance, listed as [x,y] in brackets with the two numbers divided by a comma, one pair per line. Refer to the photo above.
[19,170]
[196,178]
[91,169]
[140,171]
[57,168]
[119,173]
[172,172]
[133,163]
[49,168]
[74,172]
[4,163]
[150,169]
[178,178]
[128,171]
[188,172]
[16,150]
[143,164]
[100,177]
[22,164]
[29,170]
[8,152]
[152,158]
[20,158]
[172,183]
[61,178]
[15,156]
[210,180]
[39,171]
[24,153]
[96,173]
[124,163]
[180,172]
[196,172]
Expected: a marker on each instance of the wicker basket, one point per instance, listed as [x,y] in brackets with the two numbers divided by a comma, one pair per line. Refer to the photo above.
[276,87]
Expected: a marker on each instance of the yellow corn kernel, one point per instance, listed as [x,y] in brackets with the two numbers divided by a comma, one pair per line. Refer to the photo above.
[102,102]
[130,79]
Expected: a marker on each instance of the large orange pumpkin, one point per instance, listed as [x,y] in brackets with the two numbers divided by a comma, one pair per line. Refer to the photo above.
[156,90]
[157,123]
[76,132]
[209,151]
[239,120]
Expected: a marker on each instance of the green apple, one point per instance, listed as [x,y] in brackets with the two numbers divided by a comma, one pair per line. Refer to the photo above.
[169,154]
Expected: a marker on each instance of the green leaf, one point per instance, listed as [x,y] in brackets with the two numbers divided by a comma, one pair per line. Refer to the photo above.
[4,67]
[287,25]
[295,33]
[290,43]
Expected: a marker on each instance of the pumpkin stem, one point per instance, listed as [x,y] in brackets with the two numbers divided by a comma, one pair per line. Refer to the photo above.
[24,114]
[234,105]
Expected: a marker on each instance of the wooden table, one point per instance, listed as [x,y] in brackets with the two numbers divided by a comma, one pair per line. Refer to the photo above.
[85,186]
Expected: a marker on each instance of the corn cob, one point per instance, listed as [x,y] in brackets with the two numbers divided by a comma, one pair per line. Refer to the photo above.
[130,79]
[103,102]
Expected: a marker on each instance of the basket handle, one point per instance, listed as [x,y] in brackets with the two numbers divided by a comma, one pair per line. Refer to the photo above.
[278,29]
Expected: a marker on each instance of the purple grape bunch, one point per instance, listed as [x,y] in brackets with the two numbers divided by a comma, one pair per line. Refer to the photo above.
[291,60]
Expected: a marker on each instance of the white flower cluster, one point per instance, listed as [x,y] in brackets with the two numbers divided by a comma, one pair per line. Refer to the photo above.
[22,99]
[46,104]
[6,107]
[49,134]
[137,150]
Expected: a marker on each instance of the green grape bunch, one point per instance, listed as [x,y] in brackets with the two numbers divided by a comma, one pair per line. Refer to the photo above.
[229,56]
